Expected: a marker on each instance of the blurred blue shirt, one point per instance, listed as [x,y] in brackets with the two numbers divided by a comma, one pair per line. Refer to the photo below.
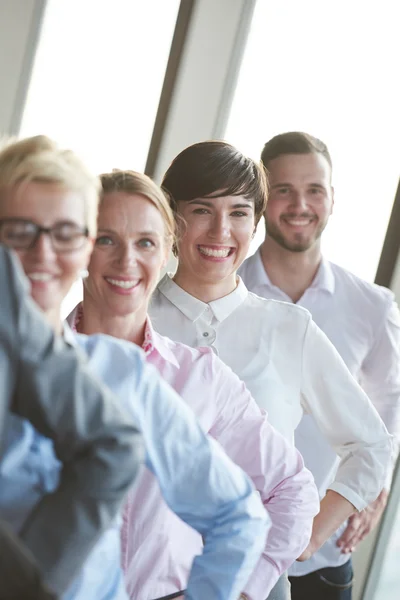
[198,481]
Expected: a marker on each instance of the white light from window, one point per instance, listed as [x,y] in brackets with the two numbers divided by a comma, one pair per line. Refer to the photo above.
[331,69]
[98,75]
[97,79]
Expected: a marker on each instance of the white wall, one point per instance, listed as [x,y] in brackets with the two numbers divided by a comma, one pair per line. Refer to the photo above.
[206,79]
[363,554]
[207,76]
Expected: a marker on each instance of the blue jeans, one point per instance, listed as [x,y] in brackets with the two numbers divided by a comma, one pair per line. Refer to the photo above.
[332,583]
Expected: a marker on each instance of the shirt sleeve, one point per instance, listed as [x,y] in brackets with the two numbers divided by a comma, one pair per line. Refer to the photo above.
[95,439]
[346,417]
[205,489]
[381,373]
[286,487]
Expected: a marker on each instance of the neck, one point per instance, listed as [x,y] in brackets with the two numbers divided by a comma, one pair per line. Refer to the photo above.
[292,272]
[204,290]
[129,327]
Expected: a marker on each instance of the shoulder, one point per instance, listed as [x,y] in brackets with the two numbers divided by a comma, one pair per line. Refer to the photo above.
[201,357]
[362,293]
[180,349]
[122,366]
[278,309]
[110,351]
[200,363]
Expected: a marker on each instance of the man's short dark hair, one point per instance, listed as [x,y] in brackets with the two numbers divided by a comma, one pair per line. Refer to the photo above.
[293,142]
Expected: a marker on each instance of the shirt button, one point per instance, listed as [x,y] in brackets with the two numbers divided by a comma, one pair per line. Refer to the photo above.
[205,334]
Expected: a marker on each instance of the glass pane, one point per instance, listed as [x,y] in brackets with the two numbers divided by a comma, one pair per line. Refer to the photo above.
[98,76]
[329,68]
[383,574]
[97,80]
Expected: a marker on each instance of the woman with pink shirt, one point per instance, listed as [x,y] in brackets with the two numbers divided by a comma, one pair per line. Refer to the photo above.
[135,235]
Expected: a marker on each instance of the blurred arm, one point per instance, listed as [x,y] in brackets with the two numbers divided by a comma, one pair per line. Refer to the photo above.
[381,382]
[19,574]
[286,487]
[205,489]
[349,421]
[93,437]
[381,376]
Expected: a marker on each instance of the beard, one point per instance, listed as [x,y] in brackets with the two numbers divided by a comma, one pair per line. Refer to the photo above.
[299,242]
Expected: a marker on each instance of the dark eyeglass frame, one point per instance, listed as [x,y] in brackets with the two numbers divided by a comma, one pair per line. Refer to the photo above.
[39,230]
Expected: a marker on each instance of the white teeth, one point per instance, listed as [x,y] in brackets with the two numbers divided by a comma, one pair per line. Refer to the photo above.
[126,285]
[223,253]
[40,276]
[298,222]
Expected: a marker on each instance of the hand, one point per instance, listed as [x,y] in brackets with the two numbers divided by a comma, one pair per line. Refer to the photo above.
[334,511]
[308,552]
[360,524]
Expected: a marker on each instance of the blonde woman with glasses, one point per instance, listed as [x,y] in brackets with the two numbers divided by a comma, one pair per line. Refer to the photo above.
[48,216]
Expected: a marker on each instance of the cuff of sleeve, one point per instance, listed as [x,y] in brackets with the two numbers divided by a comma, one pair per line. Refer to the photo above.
[262,581]
[389,475]
[349,494]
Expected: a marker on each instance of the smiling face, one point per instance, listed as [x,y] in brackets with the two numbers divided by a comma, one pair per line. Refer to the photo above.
[300,200]
[51,273]
[129,252]
[215,240]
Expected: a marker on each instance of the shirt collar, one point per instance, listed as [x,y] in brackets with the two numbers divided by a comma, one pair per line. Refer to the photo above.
[223,307]
[159,344]
[324,279]
[193,308]
[152,340]
[256,274]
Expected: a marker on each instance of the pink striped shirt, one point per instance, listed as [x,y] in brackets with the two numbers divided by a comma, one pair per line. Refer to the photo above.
[157,547]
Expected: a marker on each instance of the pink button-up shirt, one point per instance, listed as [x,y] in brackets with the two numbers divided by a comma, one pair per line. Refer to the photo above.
[157,547]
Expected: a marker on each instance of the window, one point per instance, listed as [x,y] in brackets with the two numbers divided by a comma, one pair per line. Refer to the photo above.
[97,80]
[383,574]
[98,75]
[330,69]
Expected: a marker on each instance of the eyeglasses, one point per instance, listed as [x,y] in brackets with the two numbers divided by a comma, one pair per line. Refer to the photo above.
[21,234]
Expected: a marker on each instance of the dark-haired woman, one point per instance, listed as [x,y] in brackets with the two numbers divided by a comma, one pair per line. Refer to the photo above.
[287,363]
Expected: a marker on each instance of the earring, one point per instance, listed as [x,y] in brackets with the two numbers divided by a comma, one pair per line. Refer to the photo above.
[83,273]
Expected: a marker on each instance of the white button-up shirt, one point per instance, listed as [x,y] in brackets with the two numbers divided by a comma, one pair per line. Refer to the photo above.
[290,367]
[362,322]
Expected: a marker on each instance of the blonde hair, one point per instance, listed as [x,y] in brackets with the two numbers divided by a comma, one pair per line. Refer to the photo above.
[39,159]
[132,182]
